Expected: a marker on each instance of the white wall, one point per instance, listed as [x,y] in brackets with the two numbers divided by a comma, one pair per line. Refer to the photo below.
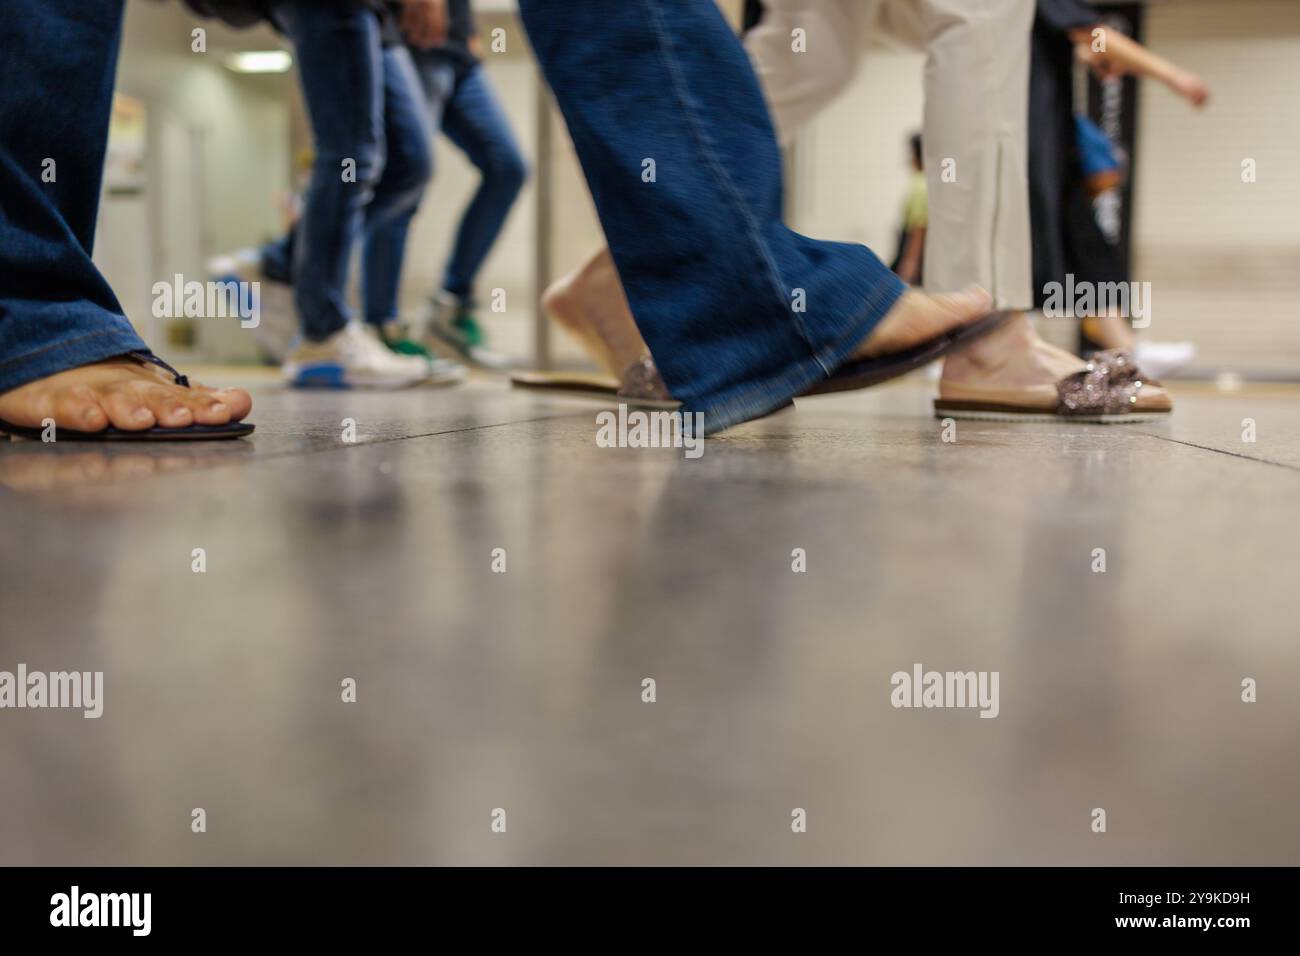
[1223,256]
[218,152]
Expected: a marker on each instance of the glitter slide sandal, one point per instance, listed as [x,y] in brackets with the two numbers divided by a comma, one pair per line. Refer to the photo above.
[1110,389]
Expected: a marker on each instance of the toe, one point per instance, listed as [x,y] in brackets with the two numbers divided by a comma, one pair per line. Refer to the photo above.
[208,407]
[127,408]
[79,409]
[238,401]
[168,406]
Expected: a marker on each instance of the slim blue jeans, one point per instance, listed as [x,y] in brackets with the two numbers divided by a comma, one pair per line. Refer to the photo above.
[373,157]
[57,63]
[673,134]
[466,109]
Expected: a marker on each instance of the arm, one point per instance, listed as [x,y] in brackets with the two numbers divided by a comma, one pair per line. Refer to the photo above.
[1119,55]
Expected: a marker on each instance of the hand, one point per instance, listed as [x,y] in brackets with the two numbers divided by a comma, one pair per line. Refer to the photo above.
[1190,87]
[425,22]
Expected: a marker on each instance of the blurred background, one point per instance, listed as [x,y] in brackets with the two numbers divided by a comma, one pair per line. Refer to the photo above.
[206,148]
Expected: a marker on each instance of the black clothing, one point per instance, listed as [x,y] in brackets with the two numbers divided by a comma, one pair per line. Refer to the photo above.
[1066,236]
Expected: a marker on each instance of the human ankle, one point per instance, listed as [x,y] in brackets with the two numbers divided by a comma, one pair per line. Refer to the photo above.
[987,355]
[559,302]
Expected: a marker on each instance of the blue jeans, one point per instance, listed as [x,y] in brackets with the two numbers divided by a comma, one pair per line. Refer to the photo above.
[368,118]
[467,111]
[671,128]
[57,62]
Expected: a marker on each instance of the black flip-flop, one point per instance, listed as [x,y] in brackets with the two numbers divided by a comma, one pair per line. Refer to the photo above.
[863,373]
[157,433]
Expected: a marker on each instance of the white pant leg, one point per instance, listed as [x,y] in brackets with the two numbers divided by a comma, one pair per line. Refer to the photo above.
[976,115]
[902,21]
[799,84]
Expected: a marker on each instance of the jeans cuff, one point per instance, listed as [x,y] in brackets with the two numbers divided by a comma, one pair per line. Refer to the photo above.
[755,399]
[56,357]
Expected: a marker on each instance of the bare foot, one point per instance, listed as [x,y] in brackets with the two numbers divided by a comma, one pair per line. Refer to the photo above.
[590,304]
[917,318]
[1011,356]
[123,393]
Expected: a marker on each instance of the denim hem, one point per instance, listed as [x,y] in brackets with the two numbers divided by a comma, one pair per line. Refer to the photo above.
[72,353]
[755,399]
[879,301]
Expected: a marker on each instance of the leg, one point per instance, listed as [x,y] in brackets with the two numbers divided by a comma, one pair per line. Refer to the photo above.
[408,139]
[682,160]
[798,85]
[57,308]
[589,303]
[386,241]
[62,331]
[349,82]
[976,97]
[342,67]
[477,124]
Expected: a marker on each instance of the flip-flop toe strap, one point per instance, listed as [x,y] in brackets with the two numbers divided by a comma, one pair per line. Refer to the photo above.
[148,358]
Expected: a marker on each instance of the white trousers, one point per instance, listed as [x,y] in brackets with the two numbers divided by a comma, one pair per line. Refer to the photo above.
[974,127]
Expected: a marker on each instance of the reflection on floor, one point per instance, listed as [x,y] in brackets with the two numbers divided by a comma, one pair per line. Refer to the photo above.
[522,691]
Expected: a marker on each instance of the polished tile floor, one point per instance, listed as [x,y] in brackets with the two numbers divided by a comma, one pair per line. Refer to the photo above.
[522,691]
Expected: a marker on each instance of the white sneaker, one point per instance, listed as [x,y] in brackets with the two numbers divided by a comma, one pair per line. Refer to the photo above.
[352,358]
[1159,359]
